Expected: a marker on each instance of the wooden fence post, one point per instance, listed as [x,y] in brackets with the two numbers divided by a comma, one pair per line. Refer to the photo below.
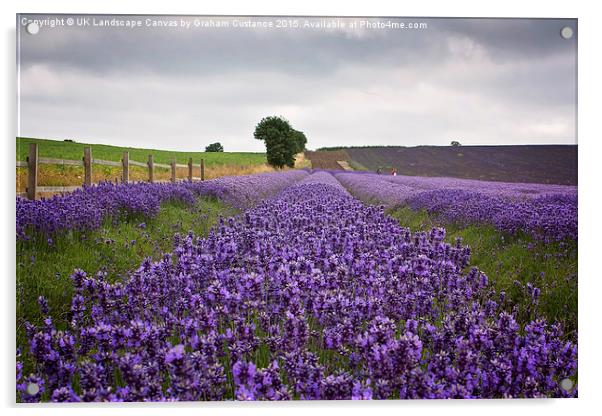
[126,167]
[151,167]
[87,166]
[173,170]
[202,169]
[190,169]
[32,171]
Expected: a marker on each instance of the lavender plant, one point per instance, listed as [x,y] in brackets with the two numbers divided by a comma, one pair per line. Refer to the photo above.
[248,190]
[87,208]
[308,295]
[547,212]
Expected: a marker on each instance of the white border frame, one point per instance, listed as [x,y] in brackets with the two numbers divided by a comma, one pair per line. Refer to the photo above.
[589,140]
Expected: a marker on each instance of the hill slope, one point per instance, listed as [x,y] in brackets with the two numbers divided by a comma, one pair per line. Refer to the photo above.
[526,163]
[327,160]
[216,164]
[68,150]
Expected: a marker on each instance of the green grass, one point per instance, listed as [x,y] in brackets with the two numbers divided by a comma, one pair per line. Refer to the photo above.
[66,150]
[507,259]
[44,270]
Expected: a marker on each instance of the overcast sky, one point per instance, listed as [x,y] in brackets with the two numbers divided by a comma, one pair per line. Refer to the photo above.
[479,81]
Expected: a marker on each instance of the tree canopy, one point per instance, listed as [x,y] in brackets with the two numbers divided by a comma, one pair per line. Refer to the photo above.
[214,147]
[281,140]
[299,140]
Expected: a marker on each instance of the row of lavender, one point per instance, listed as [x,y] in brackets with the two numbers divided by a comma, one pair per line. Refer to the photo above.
[310,295]
[89,207]
[506,190]
[548,212]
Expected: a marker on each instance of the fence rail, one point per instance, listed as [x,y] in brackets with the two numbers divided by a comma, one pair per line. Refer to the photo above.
[106,162]
[51,161]
[141,164]
[34,161]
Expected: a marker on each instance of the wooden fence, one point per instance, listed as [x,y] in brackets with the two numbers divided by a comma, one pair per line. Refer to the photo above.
[34,161]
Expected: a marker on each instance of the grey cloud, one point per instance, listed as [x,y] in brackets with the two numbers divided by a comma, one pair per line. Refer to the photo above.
[297,51]
[512,38]
[484,80]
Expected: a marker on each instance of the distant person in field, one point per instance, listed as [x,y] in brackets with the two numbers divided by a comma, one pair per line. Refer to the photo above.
[394,172]
[378,171]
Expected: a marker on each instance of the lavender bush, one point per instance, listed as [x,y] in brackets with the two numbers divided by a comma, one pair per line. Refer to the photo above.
[325,178]
[550,217]
[248,190]
[309,295]
[371,187]
[506,190]
[547,212]
[87,208]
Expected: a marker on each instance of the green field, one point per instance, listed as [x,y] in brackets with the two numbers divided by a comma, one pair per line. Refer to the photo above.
[75,151]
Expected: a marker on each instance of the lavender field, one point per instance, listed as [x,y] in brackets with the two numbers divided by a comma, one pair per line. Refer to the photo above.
[309,285]
[545,211]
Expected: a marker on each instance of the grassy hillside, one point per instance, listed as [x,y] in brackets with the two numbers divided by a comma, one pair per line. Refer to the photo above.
[523,163]
[75,151]
[216,164]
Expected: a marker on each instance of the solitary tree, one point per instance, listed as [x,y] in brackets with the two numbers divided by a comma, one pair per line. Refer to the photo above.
[455,143]
[214,147]
[280,142]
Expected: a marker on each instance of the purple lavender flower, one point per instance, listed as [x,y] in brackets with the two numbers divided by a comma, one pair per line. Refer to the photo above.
[309,294]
